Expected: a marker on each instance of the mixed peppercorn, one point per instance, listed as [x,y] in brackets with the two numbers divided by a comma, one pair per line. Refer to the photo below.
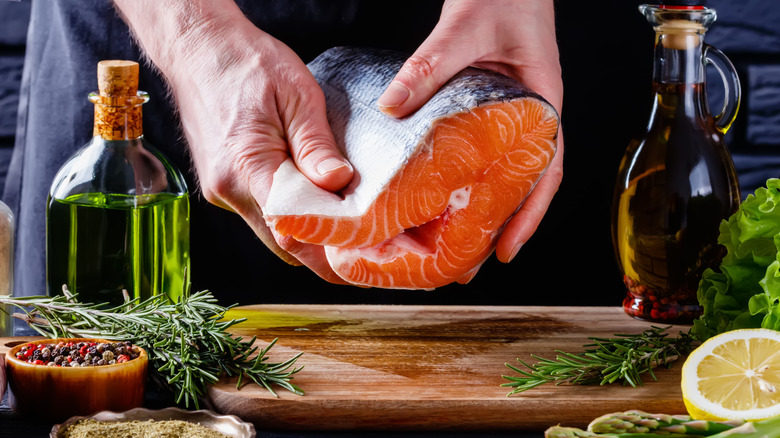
[78,354]
[645,303]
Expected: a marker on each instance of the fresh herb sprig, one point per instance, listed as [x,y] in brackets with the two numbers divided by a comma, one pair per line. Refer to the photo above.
[188,342]
[623,358]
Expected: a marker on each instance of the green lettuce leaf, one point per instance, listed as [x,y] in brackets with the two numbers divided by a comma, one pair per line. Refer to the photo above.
[746,291]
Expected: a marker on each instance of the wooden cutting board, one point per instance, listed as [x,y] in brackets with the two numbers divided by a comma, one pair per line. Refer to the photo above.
[432,368]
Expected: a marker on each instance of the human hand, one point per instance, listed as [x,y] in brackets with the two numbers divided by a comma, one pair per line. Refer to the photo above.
[246,103]
[512,37]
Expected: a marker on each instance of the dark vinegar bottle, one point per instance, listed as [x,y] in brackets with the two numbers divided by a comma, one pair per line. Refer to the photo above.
[677,182]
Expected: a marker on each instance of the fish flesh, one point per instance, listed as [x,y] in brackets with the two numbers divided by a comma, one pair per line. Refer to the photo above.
[431,191]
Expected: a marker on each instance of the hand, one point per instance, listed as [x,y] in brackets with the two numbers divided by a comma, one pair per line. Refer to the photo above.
[512,37]
[246,103]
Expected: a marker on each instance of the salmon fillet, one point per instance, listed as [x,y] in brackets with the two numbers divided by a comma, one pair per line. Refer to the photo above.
[431,191]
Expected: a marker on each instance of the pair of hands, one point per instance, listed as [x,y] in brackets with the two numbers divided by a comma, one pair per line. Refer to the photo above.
[247,102]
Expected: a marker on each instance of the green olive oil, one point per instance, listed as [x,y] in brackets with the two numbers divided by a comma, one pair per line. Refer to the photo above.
[99,244]
[118,212]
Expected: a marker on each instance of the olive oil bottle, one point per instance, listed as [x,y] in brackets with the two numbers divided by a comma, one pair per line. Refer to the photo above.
[7,224]
[677,181]
[118,211]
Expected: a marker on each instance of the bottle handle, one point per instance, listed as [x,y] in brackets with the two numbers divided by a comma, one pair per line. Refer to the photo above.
[732,89]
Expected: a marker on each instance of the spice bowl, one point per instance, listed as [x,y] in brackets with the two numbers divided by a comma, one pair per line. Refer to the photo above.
[60,392]
[2,376]
[229,425]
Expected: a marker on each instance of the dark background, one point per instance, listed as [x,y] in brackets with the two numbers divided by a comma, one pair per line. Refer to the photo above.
[606,55]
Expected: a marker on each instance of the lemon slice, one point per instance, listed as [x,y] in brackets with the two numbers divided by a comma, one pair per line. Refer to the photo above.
[734,376]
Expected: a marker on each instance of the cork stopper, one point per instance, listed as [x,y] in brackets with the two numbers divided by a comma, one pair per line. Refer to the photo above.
[681,34]
[117,78]
[118,102]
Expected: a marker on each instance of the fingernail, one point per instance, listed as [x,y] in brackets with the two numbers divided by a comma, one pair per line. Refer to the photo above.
[395,95]
[515,251]
[330,165]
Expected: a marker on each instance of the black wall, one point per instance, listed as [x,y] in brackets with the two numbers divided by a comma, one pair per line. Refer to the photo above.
[606,55]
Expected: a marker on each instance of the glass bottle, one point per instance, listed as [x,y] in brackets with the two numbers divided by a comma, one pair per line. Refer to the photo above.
[677,182]
[118,212]
[6,268]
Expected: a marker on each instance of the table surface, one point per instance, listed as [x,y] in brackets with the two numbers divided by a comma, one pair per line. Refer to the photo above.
[391,367]
[16,426]
[360,324]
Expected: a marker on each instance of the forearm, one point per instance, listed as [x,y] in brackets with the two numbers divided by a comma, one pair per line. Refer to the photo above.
[178,34]
[196,45]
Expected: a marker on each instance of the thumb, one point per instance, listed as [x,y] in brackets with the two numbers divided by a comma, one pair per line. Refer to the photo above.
[436,61]
[313,147]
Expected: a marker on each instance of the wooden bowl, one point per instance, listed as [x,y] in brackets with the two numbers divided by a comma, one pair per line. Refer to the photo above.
[62,392]
[2,376]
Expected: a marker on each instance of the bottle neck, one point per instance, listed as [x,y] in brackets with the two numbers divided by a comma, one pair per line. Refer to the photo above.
[118,118]
[678,74]
[678,58]
[679,101]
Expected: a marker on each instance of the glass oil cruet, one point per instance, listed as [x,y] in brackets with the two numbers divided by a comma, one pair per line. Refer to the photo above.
[677,182]
[117,217]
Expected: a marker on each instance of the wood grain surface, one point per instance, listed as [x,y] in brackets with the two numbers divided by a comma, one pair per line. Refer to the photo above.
[378,367]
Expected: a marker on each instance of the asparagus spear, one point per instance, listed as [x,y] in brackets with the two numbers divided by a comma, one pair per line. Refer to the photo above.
[769,428]
[639,421]
[573,432]
[570,432]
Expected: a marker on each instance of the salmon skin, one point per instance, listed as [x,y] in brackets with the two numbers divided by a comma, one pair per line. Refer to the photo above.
[431,191]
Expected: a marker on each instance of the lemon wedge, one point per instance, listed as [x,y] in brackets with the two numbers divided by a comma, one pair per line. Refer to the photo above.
[734,376]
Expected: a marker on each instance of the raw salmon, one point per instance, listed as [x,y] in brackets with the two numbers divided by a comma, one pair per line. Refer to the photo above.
[431,191]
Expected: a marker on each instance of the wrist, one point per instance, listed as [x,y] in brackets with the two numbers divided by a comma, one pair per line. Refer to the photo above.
[181,35]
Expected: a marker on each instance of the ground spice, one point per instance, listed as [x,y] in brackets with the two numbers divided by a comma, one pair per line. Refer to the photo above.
[89,428]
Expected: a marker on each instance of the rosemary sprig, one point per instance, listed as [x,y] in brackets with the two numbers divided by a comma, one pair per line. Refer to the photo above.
[188,342]
[607,360]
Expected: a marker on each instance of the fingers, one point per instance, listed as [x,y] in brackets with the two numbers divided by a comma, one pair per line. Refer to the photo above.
[525,222]
[313,256]
[438,59]
[311,142]
[287,248]
[230,180]
[257,223]
[468,276]
[512,37]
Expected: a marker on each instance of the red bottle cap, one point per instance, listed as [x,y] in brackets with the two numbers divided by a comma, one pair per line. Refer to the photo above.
[682,4]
